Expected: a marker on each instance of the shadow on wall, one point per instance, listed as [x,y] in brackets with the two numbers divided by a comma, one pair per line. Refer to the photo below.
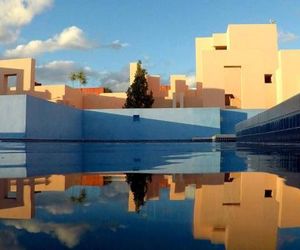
[115,127]
[229,118]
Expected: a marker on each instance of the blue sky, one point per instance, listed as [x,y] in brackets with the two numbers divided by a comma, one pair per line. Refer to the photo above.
[103,36]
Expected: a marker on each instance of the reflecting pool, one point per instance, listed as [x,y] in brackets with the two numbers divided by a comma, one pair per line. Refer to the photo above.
[149,196]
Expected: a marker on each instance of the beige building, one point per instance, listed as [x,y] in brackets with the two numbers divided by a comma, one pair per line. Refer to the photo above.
[245,62]
[241,68]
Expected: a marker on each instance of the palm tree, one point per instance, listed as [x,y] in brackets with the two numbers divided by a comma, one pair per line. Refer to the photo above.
[79,76]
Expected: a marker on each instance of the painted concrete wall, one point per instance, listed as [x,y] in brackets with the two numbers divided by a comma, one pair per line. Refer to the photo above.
[153,124]
[230,117]
[13,116]
[47,120]
[28,117]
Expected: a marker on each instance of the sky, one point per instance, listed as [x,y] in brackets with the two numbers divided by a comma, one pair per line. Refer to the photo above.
[103,36]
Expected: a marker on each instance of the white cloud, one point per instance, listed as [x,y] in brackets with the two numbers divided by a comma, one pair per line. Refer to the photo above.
[68,234]
[117,44]
[59,71]
[14,14]
[286,37]
[191,80]
[70,38]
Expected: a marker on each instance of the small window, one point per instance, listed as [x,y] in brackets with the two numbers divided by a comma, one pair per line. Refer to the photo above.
[11,195]
[12,81]
[268,78]
[227,178]
[136,118]
[221,47]
[268,193]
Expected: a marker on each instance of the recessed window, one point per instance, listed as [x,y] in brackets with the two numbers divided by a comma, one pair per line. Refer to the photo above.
[227,178]
[221,47]
[228,98]
[268,78]
[11,195]
[12,81]
[136,118]
[268,193]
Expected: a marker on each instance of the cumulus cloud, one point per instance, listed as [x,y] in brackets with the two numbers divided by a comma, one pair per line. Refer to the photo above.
[70,38]
[14,14]
[286,37]
[67,234]
[59,71]
[116,80]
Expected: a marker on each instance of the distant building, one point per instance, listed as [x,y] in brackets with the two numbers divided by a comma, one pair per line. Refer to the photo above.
[241,68]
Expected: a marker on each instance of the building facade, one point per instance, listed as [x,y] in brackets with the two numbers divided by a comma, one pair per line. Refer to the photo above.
[241,68]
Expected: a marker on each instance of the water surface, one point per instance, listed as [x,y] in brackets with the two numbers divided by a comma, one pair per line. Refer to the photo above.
[149,195]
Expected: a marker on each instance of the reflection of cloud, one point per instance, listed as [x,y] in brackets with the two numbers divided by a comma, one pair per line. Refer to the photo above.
[114,189]
[56,203]
[68,234]
[58,208]
[8,240]
[113,226]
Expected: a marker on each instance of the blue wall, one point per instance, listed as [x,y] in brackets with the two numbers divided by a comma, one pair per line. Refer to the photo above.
[230,117]
[152,124]
[13,116]
[47,120]
[27,117]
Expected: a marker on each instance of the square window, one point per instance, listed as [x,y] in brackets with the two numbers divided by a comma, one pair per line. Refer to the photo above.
[268,78]
[268,193]
[136,118]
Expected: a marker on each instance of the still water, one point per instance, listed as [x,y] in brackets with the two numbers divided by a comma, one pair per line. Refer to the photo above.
[149,196]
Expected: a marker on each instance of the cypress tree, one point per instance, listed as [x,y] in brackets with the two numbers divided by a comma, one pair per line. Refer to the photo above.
[138,95]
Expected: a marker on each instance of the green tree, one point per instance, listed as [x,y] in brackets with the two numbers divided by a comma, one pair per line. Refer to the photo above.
[79,76]
[138,95]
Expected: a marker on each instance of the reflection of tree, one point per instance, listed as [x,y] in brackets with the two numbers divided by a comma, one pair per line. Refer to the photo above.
[80,198]
[138,185]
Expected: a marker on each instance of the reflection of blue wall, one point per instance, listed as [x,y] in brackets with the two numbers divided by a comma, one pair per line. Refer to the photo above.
[230,117]
[153,124]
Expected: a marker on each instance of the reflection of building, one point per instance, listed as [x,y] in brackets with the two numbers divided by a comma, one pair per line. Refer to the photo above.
[240,210]
[228,67]
[17,195]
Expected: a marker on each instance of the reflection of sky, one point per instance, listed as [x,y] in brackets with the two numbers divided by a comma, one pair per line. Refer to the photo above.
[103,222]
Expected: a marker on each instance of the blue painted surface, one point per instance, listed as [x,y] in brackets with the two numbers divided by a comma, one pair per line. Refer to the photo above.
[28,117]
[230,117]
[47,120]
[13,116]
[153,124]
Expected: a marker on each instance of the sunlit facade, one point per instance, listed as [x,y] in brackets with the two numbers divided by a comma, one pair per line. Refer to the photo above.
[229,67]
